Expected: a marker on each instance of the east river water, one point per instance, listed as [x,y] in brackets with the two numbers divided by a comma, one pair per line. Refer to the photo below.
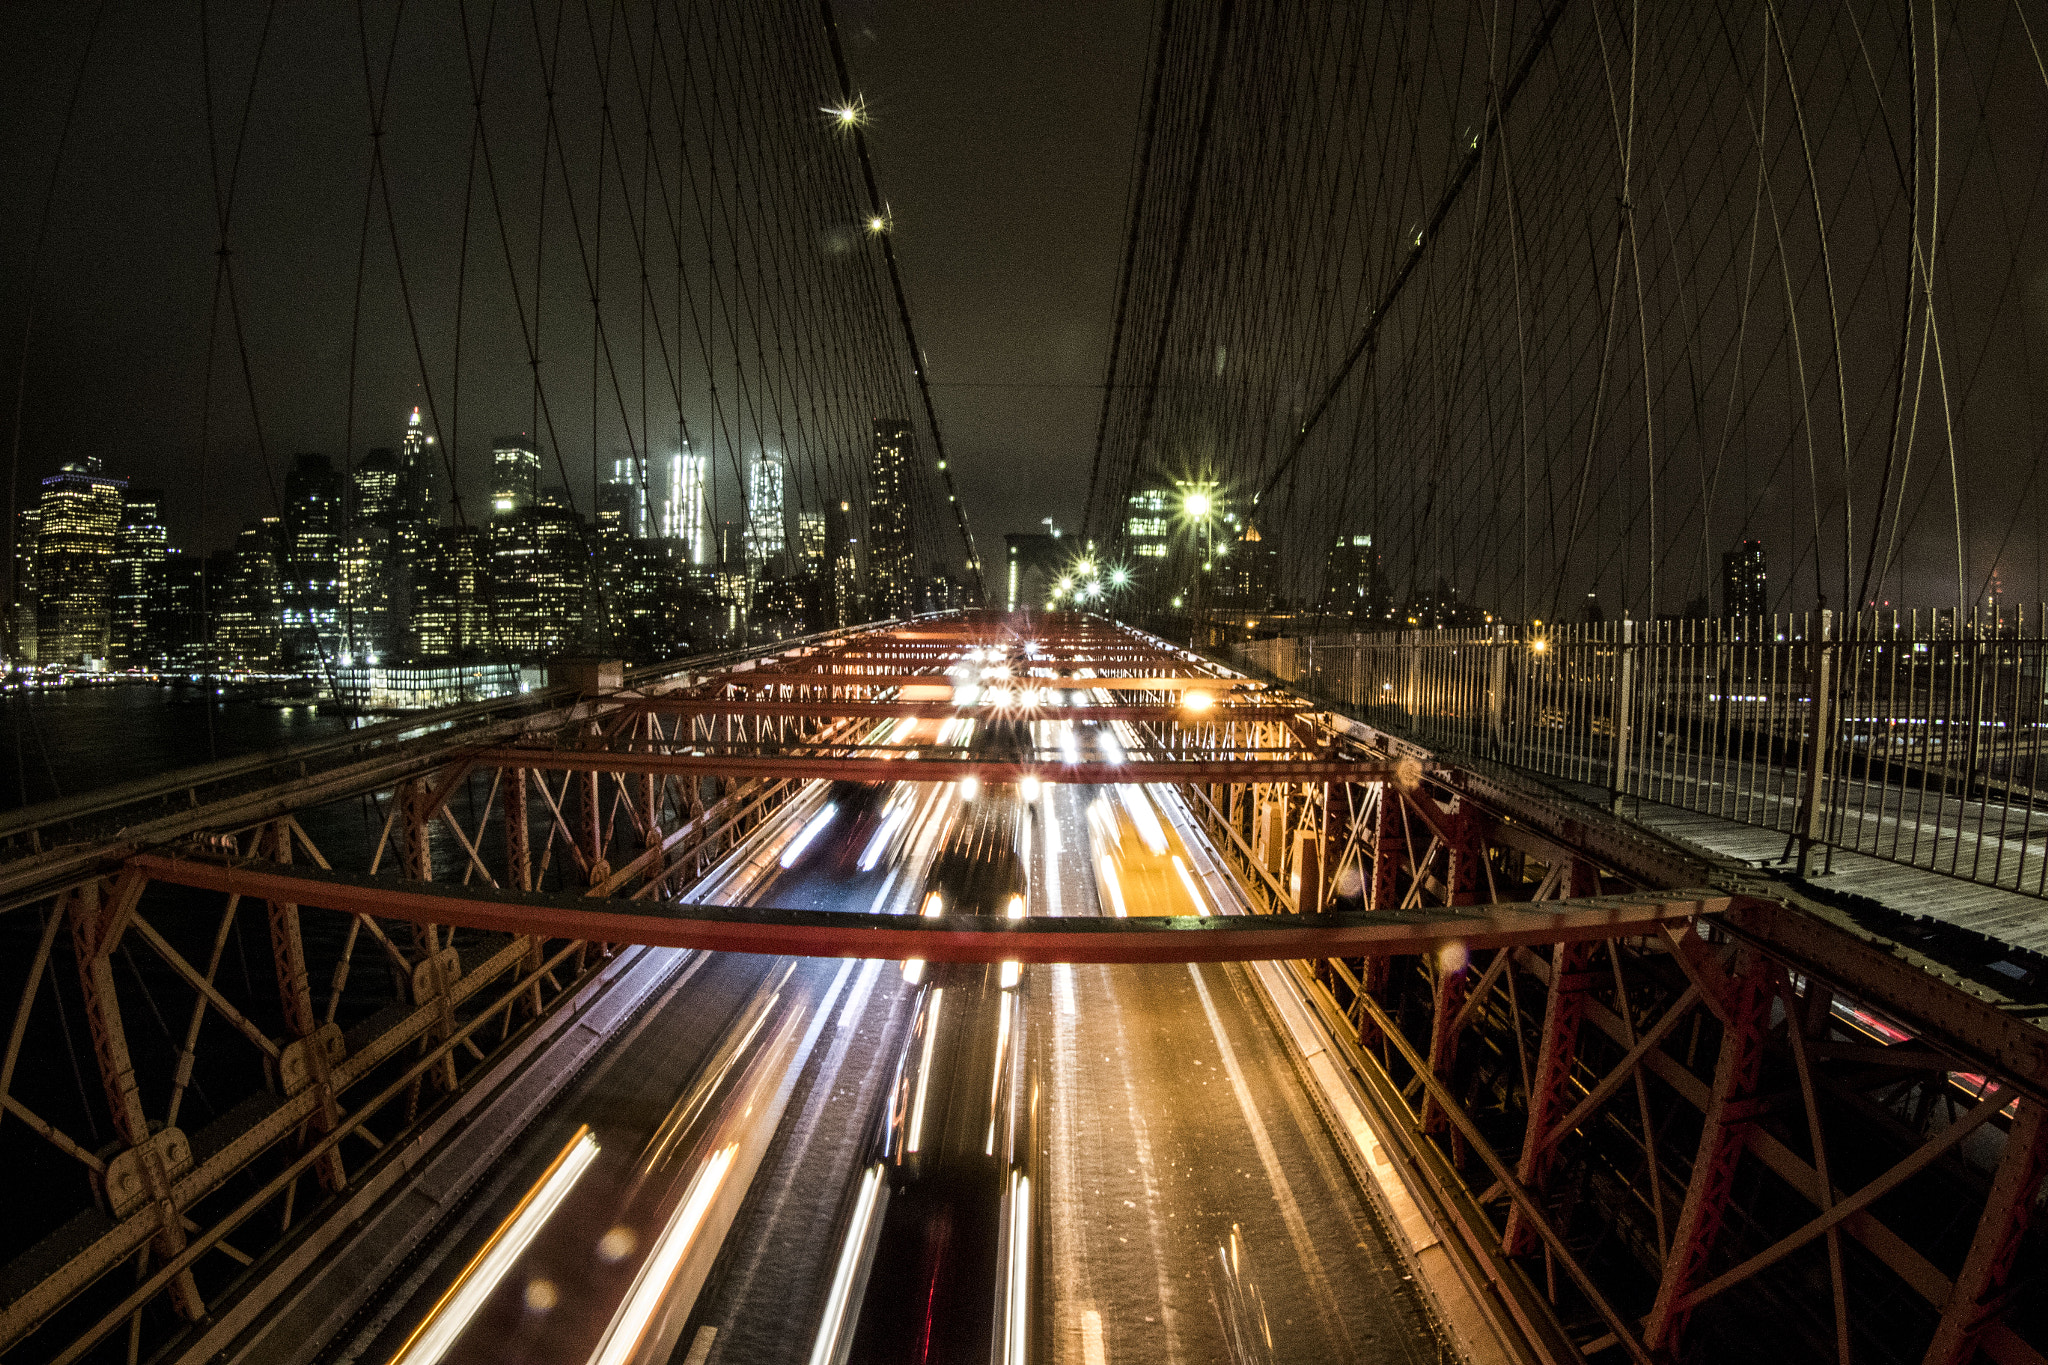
[67,741]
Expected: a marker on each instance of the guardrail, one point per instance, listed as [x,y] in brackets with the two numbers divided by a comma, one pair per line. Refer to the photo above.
[1915,737]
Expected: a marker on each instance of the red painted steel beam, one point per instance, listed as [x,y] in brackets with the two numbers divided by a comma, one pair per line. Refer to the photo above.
[759,677]
[849,768]
[944,938]
[945,710]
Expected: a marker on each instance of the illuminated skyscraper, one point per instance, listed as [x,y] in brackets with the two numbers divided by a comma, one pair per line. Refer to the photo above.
[889,555]
[451,616]
[244,600]
[811,538]
[767,540]
[139,548]
[623,501]
[370,572]
[515,475]
[376,490]
[81,514]
[311,560]
[541,564]
[1351,586]
[419,483]
[687,513]
[21,612]
[1744,586]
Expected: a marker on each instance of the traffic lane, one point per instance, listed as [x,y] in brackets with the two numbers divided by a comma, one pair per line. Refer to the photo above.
[765,1297]
[625,1098]
[633,1089]
[1141,865]
[1061,880]
[871,854]
[1176,1118]
[934,1291]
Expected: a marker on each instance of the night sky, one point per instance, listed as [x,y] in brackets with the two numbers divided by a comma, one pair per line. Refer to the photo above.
[1535,424]
[1002,136]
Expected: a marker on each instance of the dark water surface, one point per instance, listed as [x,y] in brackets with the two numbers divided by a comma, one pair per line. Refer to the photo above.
[67,741]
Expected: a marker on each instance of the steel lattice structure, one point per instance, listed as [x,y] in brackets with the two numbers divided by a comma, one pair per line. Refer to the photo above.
[1561,1026]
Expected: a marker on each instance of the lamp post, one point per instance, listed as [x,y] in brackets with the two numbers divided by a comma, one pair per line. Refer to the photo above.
[1200,507]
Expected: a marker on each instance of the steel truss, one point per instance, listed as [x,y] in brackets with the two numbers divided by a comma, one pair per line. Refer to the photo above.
[1656,1107]
[1757,1134]
[182,1113]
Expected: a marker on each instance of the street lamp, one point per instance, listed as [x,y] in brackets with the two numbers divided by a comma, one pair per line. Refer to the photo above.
[1198,504]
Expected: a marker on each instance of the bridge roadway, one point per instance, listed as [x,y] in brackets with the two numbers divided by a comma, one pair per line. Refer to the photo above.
[1563,1063]
[1175,1120]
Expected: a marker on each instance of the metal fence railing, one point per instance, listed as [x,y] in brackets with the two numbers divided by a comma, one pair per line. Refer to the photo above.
[1912,736]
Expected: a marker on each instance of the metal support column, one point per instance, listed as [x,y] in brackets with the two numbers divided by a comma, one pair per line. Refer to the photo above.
[518,842]
[307,1063]
[96,928]
[1810,825]
[1564,1007]
[1732,1106]
[1453,980]
[1982,1285]
[1624,714]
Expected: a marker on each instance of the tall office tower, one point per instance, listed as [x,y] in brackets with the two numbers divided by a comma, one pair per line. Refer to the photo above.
[810,544]
[21,612]
[1147,523]
[139,547]
[177,616]
[419,468]
[1351,580]
[81,515]
[889,554]
[310,561]
[515,475]
[377,489]
[767,540]
[615,505]
[1743,588]
[632,502]
[841,578]
[1246,571]
[246,620]
[451,613]
[540,566]
[369,570]
[686,516]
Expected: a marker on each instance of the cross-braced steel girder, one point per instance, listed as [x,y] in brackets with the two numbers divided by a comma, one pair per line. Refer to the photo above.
[1551,1085]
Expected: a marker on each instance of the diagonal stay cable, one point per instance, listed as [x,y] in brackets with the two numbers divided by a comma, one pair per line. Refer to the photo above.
[1496,120]
[881,213]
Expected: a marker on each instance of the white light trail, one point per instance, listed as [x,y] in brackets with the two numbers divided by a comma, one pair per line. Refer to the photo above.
[995,1090]
[1016,1337]
[652,1284]
[1144,817]
[796,846]
[431,1339]
[924,1067]
[893,820]
[825,1351]
[1116,888]
[1187,880]
[1013,972]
